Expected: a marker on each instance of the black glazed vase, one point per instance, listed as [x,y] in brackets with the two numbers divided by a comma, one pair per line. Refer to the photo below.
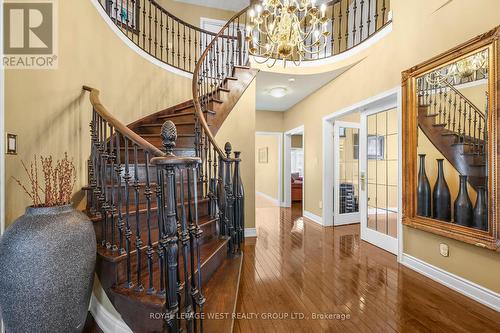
[423,190]
[441,197]
[480,218]
[463,205]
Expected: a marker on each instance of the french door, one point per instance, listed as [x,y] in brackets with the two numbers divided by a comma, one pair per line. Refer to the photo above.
[379,158]
[346,173]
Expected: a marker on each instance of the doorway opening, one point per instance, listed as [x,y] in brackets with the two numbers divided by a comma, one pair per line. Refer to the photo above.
[362,170]
[294,175]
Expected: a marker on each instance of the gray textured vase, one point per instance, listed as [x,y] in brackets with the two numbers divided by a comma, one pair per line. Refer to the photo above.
[47,258]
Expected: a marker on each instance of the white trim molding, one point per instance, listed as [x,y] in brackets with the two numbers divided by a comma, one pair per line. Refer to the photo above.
[313,217]
[106,321]
[134,47]
[250,232]
[275,201]
[465,287]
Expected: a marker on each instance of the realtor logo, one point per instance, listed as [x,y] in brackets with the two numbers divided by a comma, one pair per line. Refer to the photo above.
[29,34]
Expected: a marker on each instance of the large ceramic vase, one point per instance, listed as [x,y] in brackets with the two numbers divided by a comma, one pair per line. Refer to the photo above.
[480,215]
[463,205]
[47,260]
[423,190]
[441,197]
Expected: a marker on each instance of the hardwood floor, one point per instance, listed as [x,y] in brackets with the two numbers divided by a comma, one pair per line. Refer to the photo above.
[296,268]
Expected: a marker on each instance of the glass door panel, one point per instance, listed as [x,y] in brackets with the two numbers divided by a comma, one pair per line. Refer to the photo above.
[346,156]
[379,169]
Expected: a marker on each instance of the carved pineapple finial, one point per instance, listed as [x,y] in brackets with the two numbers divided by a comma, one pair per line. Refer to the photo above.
[169,136]
[227,149]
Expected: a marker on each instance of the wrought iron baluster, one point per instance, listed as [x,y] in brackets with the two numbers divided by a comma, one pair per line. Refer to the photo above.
[149,251]
[144,24]
[118,170]
[160,201]
[138,237]
[128,232]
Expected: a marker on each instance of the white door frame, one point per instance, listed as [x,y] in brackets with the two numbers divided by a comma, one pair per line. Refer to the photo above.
[287,173]
[388,99]
[279,135]
[348,218]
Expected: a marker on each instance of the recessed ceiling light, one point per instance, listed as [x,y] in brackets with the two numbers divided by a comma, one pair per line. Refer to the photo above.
[278,92]
[291,79]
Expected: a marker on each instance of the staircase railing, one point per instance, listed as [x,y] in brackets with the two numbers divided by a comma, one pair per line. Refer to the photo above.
[146,202]
[220,172]
[156,31]
[180,44]
[455,113]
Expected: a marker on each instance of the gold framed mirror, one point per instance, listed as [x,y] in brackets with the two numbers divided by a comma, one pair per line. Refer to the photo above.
[451,145]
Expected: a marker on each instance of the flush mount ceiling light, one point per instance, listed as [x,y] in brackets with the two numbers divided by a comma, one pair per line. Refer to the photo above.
[278,92]
[287,30]
[291,79]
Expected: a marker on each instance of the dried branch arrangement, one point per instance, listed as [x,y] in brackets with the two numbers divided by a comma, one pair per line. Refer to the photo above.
[59,179]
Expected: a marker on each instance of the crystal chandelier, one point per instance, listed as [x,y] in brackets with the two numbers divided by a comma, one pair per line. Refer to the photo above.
[287,30]
[462,69]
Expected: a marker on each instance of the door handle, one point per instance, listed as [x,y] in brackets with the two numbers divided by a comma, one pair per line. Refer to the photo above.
[363,180]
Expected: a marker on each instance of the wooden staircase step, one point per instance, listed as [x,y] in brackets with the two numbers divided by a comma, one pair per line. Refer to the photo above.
[136,307]
[221,293]
[430,115]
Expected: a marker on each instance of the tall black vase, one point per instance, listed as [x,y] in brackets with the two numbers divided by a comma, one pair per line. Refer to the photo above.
[441,197]
[423,190]
[480,219]
[463,205]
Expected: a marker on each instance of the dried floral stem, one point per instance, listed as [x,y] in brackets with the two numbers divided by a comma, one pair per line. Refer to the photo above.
[59,181]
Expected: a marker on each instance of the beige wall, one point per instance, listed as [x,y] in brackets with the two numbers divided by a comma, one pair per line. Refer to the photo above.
[266,174]
[420,31]
[239,129]
[48,110]
[269,121]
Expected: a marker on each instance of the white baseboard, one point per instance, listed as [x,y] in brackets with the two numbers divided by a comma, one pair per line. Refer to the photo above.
[470,289]
[250,232]
[285,205]
[106,321]
[313,217]
[268,197]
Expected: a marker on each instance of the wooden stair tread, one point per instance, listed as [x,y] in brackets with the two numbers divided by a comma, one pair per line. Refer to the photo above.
[143,209]
[174,115]
[221,293]
[115,256]
[207,251]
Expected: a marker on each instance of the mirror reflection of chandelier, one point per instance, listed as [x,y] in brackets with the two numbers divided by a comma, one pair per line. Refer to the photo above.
[287,30]
[462,69]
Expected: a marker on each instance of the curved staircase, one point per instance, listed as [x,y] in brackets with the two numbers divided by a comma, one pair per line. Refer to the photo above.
[456,127]
[166,200]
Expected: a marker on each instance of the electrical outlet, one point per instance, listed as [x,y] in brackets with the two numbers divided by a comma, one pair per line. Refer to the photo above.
[320,205]
[444,250]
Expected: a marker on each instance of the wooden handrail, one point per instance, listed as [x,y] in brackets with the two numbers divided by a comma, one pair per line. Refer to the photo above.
[480,114]
[196,90]
[118,125]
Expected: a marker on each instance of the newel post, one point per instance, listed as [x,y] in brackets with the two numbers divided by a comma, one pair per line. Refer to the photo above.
[169,237]
[239,201]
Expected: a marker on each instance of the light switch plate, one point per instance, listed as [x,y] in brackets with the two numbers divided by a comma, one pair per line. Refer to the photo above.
[320,205]
[444,250]
[11,144]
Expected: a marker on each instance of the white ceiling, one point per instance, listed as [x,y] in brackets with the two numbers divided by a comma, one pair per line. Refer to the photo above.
[303,86]
[234,5]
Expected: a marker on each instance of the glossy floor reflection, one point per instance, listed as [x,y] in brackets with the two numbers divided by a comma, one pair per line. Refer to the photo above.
[295,272]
